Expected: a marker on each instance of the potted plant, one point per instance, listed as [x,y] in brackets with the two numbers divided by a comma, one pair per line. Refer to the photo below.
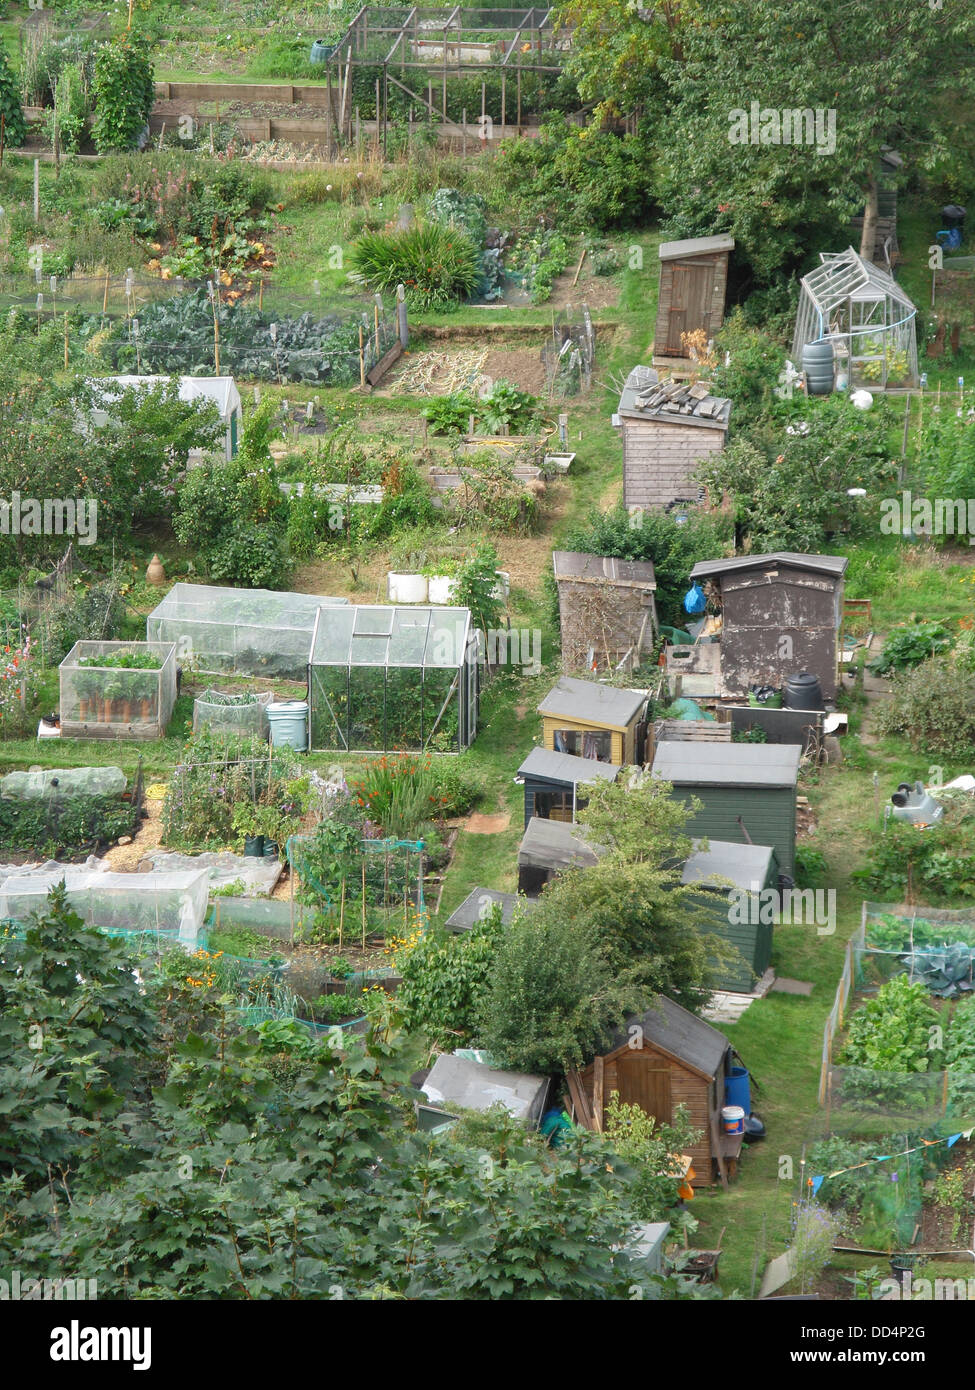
[244,821]
[268,822]
[84,684]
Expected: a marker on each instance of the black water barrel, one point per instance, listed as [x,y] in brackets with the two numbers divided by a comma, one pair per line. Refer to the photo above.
[953,215]
[817,363]
[802,691]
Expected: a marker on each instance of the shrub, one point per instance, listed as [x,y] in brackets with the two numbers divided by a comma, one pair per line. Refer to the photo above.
[932,705]
[892,1031]
[589,180]
[14,125]
[909,645]
[251,557]
[124,93]
[439,266]
[444,976]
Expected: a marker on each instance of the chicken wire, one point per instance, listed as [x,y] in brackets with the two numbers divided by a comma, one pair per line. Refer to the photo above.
[242,715]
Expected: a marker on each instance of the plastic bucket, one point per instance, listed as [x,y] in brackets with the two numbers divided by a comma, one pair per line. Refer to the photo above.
[289,724]
[406,588]
[733,1119]
[736,1089]
[442,589]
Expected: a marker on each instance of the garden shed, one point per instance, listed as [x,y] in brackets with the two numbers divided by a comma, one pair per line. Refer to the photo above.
[548,848]
[723,868]
[667,429]
[383,677]
[243,632]
[607,610]
[663,1058]
[592,720]
[220,390]
[748,791]
[479,902]
[117,689]
[866,316]
[693,283]
[780,613]
[555,783]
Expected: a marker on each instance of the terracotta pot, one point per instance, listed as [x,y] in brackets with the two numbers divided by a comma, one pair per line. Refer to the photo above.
[126,711]
[107,711]
[146,709]
[82,710]
[155,574]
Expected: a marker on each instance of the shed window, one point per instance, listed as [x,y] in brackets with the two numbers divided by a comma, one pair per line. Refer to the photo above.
[554,805]
[585,743]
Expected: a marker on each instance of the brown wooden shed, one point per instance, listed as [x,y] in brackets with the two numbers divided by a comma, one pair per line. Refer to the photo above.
[664,1058]
[765,599]
[607,610]
[668,428]
[693,282]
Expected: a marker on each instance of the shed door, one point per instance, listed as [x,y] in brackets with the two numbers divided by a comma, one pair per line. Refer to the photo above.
[645,1081]
[689,306]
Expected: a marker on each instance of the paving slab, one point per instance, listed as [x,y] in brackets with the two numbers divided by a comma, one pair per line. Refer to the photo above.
[783,985]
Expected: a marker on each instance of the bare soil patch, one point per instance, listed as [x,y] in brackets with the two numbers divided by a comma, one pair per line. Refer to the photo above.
[479,824]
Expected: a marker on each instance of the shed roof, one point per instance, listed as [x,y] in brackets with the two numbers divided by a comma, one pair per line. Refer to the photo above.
[473,1086]
[695,246]
[222,390]
[552,844]
[549,766]
[582,700]
[746,866]
[644,397]
[824,564]
[469,912]
[680,1033]
[728,764]
[577,564]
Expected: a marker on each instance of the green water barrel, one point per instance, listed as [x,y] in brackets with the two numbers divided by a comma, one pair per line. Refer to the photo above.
[289,724]
[817,363]
[321,51]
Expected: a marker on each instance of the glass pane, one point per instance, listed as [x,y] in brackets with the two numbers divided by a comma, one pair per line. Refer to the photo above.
[447,639]
[330,707]
[373,620]
[334,635]
[404,709]
[369,651]
[440,724]
[366,700]
[408,641]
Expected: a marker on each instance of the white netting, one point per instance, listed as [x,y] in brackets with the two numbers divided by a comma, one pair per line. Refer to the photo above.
[63,781]
[232,714]
[165,904]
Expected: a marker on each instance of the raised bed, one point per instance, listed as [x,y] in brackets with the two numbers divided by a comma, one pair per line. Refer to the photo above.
[102,698]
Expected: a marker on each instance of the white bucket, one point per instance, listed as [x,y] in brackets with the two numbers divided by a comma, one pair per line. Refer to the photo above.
[406,588]
[441,589]
[733,1119]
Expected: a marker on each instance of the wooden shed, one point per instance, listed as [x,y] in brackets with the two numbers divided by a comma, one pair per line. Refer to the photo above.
[607,610]
[592,720]
[555,783]
[668,428]
[693,284]
[780,613]
[719,870]
[664,1058]
[748,791]
[548,848]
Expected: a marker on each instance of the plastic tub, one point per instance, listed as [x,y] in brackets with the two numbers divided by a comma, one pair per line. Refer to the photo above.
[737,1090]
[289,724]
[406,588]
[442,589]
[733,1119]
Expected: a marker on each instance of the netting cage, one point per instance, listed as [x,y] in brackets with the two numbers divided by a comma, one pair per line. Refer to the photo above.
[223,713]
[866,316]
[117,689]
[388,678]
[246,632]
[166,907]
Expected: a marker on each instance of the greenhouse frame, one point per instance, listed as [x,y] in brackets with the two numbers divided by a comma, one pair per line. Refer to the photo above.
[116,701]
[244,632]
[867,317]
[384,677]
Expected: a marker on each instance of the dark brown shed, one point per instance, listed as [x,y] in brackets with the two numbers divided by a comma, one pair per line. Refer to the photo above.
[607,610]
[693,282]
[780,613]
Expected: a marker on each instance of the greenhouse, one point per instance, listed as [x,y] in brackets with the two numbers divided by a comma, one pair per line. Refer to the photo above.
[865,315]
[244,632]
[165,906]
[383,678]
[117,689]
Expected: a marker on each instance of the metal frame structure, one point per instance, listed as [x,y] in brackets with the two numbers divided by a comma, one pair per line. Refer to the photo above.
[395,40]
[864,313]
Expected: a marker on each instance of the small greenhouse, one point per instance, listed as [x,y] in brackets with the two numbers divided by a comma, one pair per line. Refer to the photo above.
[867,317]
[164,906]
[384,677]
[117,689]
[244,632]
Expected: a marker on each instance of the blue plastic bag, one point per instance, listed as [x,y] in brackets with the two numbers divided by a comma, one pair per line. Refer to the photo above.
[694,600]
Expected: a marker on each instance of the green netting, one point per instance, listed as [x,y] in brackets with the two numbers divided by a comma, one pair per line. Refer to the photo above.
[383,886]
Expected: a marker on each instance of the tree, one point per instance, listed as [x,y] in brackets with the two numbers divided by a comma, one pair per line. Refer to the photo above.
[617,48]
[124,92]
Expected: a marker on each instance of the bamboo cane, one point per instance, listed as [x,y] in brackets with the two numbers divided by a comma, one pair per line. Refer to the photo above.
[342,914]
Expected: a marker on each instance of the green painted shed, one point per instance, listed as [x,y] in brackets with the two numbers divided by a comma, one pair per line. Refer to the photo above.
[747,791]
[724,868]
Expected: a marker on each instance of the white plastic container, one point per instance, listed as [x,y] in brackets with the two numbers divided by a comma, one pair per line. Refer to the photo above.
[406,588]
[441,590]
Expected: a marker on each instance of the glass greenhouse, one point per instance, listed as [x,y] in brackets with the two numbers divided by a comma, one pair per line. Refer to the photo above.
[867,317]
[117,689]
[393,678]
[245,632]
